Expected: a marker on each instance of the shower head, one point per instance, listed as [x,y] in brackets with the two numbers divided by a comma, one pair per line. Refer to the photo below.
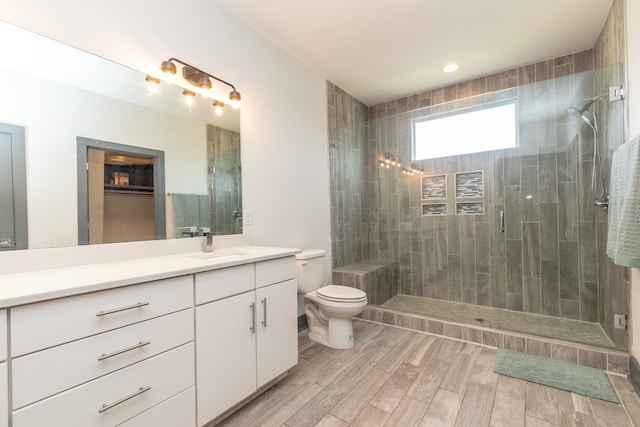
[573,111]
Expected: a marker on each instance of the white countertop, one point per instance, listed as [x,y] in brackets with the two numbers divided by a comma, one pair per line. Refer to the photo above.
[25,288]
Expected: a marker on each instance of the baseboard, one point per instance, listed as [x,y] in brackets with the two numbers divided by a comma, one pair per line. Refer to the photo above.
[634,373]
[302,322]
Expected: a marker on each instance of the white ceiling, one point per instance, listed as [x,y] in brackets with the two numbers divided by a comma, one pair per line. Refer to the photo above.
[379,50]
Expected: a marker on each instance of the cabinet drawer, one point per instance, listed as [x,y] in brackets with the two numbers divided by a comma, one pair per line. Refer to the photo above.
[216,284]
[45,373]
[45,324]
[117,397]
[3,335]
[4,397]
[180,410]
[275,271]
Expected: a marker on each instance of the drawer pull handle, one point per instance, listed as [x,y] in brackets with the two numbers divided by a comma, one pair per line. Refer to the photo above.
[107,406]
[124,350]
[264,313]
[252,327]
[117,310]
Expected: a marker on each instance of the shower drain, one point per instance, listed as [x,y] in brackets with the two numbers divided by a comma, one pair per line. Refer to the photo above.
[482,321]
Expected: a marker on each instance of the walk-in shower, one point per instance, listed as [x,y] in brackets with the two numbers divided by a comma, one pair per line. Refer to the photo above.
[590,119]
[507,239]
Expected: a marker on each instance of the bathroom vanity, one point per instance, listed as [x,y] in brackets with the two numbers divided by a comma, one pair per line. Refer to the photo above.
[138,342]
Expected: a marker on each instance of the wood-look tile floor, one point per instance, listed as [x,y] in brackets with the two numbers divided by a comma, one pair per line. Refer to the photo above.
[397,377]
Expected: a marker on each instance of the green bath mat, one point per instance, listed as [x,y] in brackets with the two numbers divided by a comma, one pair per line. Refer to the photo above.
[567,376]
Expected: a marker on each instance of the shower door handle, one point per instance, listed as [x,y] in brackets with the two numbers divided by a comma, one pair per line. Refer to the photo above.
[502,221]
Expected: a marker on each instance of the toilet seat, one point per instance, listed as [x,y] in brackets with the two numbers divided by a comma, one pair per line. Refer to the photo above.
[346,294]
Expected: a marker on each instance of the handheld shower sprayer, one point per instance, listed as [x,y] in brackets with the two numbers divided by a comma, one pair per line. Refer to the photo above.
[590,119]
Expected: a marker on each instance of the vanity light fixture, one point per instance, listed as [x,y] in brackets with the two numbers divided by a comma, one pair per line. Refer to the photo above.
[200,81]
[414,169]
[390,160]
[168,67]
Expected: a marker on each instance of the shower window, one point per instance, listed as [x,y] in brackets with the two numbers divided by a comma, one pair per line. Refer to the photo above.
[471,130]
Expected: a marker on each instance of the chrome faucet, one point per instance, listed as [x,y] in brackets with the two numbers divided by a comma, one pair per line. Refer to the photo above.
[208,241]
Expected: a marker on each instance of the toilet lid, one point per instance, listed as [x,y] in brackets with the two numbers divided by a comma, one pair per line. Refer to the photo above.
[341,293]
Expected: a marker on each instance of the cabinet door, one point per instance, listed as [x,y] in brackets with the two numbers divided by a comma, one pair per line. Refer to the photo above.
[3,335]
[277,330]
[225,354]
[4,396]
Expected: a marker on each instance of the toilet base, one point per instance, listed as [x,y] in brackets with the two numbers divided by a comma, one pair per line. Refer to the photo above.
[337,334]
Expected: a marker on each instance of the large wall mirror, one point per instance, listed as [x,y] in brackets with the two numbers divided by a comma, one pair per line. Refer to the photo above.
[60,95]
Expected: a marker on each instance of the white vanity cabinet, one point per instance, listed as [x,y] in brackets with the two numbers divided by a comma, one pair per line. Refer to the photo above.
[103,358]
[4,383]
[246,335]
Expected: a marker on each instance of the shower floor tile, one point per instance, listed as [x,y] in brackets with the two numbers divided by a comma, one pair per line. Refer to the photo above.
[576,331]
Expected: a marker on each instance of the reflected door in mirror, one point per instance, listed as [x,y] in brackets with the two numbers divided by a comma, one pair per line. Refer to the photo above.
[121,207]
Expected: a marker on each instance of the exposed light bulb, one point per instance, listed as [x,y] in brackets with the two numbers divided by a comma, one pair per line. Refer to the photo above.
[217,107]
[450,68]
[234,97]
[152,84]
[189,96]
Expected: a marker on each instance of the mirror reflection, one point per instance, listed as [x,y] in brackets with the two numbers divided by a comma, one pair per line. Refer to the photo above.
[85,96]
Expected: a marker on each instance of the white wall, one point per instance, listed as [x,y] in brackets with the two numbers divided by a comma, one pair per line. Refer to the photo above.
[633,121]
[283,121]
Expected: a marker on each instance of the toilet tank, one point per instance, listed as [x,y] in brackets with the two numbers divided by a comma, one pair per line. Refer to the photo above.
[310,269]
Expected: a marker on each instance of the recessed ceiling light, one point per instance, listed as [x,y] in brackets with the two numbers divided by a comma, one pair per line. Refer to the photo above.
[450,68]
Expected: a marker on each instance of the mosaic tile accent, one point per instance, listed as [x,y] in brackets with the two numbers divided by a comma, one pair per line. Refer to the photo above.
[434,209]
[434,187]
[470,208]
[470,184]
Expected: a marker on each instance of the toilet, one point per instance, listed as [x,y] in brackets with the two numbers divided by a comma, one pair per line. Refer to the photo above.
[329,309]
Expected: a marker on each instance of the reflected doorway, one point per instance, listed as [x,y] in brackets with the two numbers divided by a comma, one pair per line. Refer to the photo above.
[120,193]
[13,188]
